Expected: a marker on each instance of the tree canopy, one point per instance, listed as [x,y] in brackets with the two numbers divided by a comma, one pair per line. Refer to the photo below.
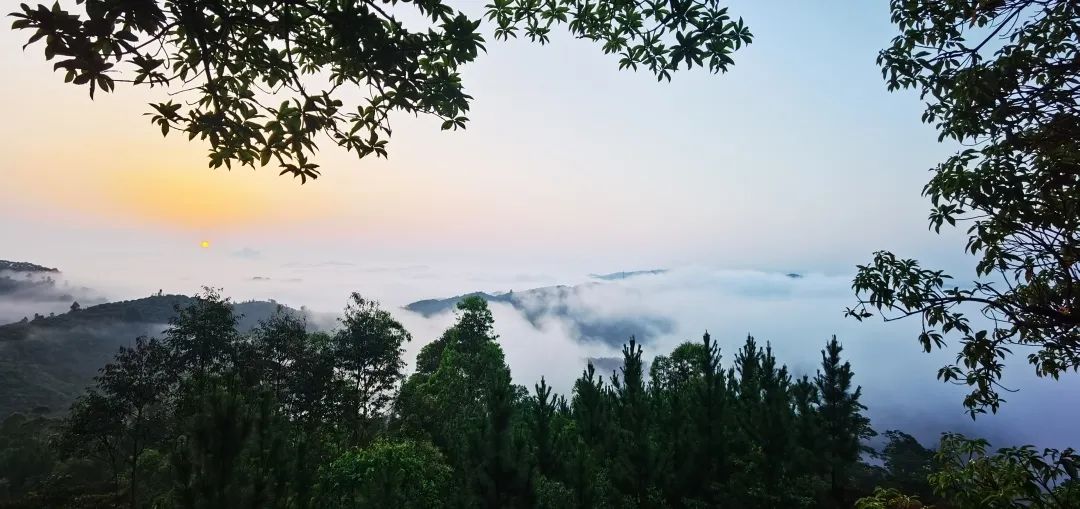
[1001,78]
[264,80]
[209,416]
[283,417]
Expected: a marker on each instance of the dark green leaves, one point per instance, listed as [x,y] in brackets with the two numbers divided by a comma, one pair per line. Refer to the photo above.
[403,473]
[1000,77]
[971,476]
[231,61]
[662,35]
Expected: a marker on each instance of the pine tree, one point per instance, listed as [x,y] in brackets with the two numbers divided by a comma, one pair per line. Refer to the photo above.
[633,463]
[712,425]
[843,424]
[503,473]
[232,452]
[591,412]
[543,408]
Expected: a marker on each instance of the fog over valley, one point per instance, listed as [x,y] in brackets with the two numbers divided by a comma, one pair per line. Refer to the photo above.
[551,324]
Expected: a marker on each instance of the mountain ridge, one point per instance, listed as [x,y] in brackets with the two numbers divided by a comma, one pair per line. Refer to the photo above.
[561,302]
[25,267]
[47,362]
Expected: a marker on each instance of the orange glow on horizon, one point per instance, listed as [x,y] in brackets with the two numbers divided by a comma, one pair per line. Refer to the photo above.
[196,198]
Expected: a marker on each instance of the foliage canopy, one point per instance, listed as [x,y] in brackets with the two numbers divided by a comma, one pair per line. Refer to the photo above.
[999,77]
[263,80]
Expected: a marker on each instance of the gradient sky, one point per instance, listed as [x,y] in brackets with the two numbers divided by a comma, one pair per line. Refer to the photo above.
[798,159]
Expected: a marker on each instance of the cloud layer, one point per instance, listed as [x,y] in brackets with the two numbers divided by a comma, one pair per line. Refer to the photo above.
[795,315]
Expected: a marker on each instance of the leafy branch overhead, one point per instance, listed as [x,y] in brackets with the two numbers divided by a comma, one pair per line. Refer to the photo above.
[261,80]
[1002,78]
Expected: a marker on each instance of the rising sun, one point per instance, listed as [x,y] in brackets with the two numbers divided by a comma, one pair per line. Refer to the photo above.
[204,244]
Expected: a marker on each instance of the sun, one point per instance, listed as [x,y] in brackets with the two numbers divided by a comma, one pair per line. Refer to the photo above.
[204,244]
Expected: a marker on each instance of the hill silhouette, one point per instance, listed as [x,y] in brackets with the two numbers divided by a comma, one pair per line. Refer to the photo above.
[561,303]
[24,267]
[46,362]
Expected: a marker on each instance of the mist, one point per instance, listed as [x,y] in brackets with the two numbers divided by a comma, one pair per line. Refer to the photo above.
[795,315]
[24,294]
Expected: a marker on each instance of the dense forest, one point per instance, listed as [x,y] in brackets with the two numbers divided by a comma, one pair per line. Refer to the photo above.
[210,416]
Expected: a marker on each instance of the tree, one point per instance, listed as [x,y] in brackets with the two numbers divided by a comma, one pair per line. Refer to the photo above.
[908,464]
[404,473]
[75,306]
[502,475]
[25,456]
[233,62]
[766,467]
[232,451]
[810,434]
[135,383]
[713,425]
[1000,78]
[468,408]
[203,336]
[368,352]
[94,428]
[554,442]
[1013,478]
[298,368]
[844,426]
[633,464]
[544,408]
[681,368]
[279,343]
[680,399]
[888,498]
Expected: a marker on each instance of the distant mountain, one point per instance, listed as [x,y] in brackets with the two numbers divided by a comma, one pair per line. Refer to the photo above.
[30,288]
[561,303]
[430,307]
[48,361]
[615,276]
[24,267]
[27,289]
[27,280]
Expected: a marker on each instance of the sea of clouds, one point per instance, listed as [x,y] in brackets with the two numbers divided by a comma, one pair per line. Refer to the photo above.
[796,316]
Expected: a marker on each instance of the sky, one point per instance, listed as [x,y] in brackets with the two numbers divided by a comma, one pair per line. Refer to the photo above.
[797,160]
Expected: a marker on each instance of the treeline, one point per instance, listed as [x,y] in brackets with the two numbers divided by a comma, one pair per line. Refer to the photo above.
[209,417]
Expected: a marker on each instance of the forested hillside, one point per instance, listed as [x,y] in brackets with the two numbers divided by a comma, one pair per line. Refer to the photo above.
[564,303]
[47,361]
[207,415]
[24,267]
[25,279]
